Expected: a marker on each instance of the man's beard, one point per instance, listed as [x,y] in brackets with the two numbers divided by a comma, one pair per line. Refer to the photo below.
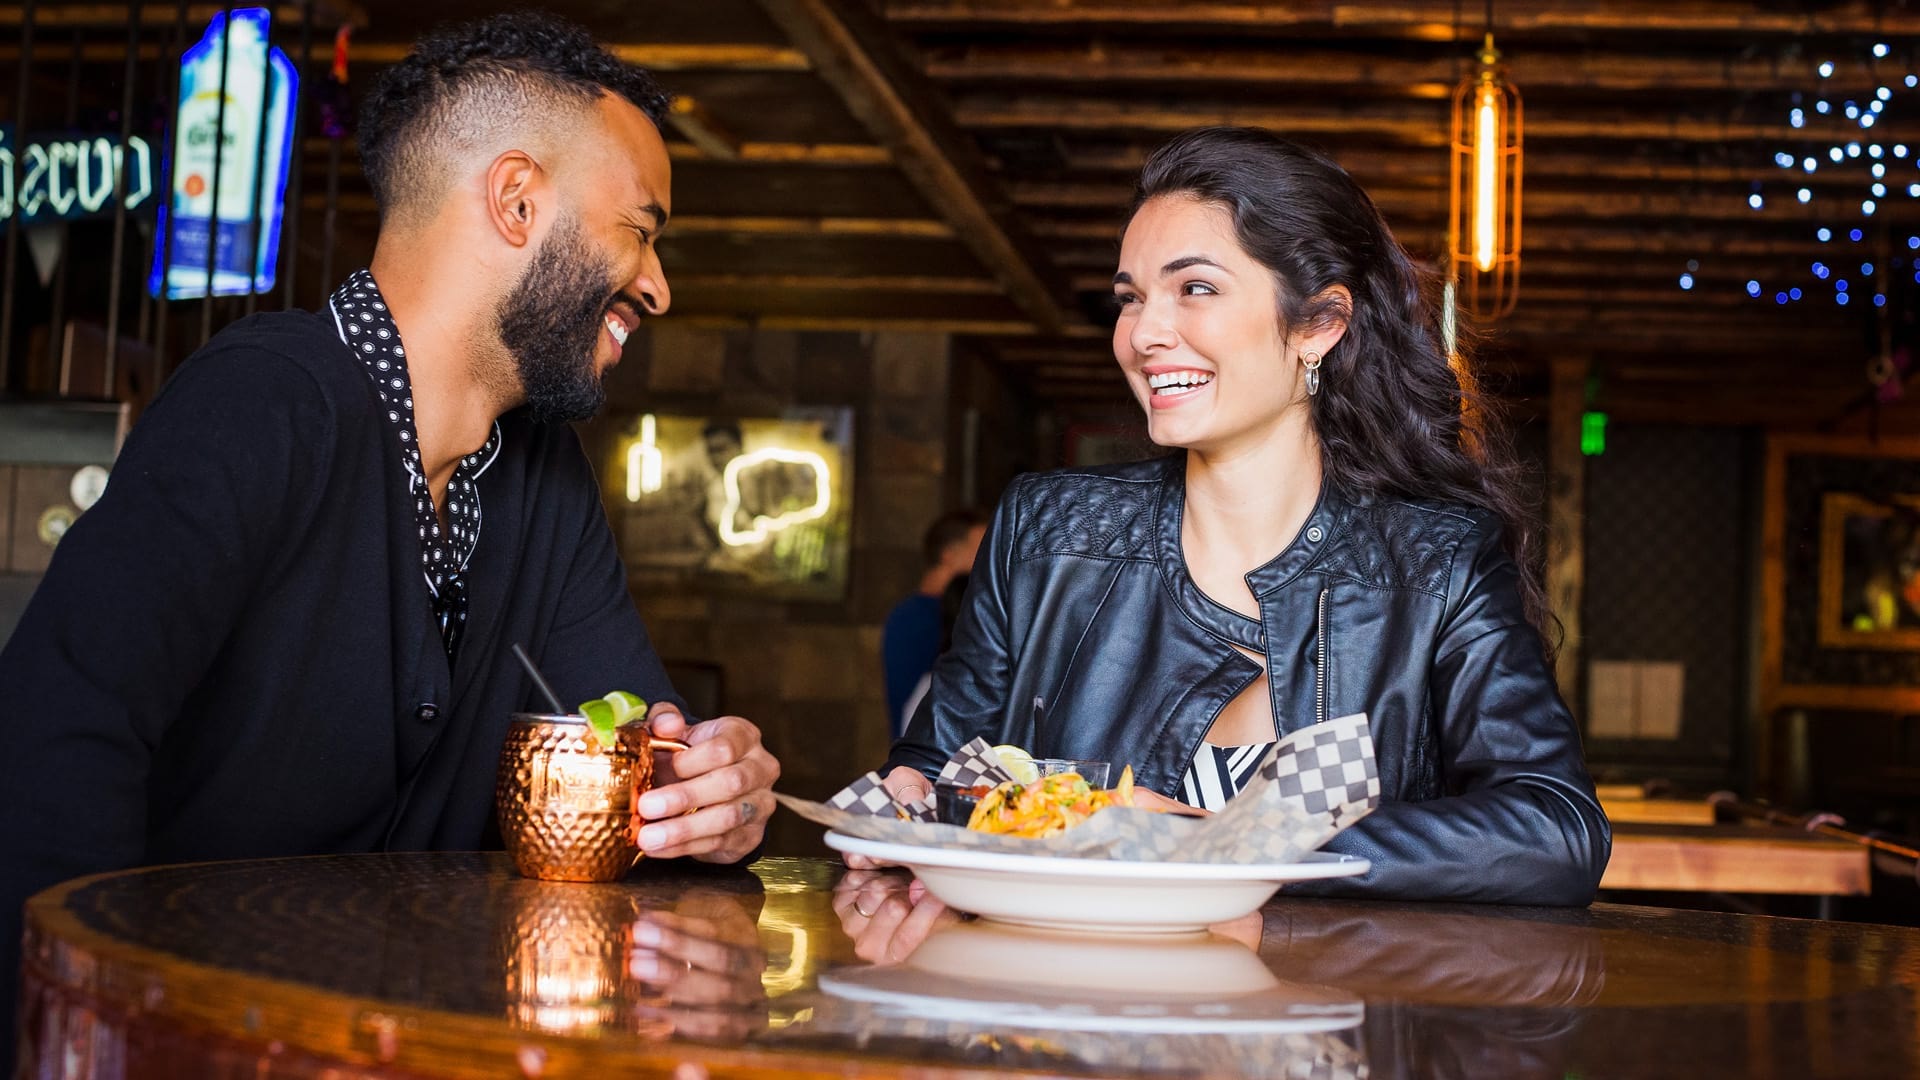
[551,324]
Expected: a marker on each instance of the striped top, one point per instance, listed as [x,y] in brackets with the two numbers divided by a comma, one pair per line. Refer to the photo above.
[1218,773]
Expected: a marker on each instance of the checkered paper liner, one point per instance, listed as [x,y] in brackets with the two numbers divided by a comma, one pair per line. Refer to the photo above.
[1312,784]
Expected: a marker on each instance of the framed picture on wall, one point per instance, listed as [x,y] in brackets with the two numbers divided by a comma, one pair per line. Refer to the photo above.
[1840,588]
[752,504]
[1869,571]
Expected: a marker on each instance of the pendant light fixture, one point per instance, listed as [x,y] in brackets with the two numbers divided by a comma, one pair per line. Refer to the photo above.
[1483,224]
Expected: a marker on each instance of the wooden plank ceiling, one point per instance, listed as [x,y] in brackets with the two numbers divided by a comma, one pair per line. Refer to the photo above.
[963,165]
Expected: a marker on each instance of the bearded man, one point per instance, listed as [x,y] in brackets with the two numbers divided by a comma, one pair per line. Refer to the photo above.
[285,629]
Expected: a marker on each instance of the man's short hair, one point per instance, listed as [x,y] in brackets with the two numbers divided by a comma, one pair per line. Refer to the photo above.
[462,84]
[949,529]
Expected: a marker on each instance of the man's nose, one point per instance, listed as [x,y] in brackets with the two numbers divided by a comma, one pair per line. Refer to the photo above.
[651,286]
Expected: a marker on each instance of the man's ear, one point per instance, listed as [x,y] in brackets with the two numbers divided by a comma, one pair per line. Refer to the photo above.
[516,190]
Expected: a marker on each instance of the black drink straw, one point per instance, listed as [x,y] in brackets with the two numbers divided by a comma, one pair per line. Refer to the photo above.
[539,680]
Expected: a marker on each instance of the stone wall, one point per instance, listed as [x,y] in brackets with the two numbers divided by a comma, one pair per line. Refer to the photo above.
[807,672]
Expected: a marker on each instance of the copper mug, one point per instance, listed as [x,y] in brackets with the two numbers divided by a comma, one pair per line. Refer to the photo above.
[568,805]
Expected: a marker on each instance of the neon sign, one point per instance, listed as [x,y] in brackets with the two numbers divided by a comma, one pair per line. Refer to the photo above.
[242,235]
[69,179]
[765,525]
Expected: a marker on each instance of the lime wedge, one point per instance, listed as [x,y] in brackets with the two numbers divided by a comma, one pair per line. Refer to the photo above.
[600,721]
[626,706]
[1018,763]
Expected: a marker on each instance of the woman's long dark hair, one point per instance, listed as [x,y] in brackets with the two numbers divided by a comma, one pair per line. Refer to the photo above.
[1395,417]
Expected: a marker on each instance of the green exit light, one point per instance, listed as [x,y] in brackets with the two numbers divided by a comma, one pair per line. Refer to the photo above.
[1593,433]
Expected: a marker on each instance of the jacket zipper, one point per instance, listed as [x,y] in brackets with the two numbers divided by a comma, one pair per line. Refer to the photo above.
[1320,669]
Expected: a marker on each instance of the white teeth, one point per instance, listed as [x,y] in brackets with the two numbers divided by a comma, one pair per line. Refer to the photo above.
[1178,379]
[618,329]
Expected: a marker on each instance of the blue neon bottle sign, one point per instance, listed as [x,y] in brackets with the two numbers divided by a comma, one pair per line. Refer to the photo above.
[245,236]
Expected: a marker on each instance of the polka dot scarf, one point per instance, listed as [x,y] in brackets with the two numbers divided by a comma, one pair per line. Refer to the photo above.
[367,328]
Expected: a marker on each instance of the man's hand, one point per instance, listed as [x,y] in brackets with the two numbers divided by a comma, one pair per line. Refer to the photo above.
[905,785]
[725,778]
[704,958]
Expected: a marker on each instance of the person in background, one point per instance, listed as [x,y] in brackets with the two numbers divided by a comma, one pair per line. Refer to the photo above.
[285,628]
[920,626]
[1341,529]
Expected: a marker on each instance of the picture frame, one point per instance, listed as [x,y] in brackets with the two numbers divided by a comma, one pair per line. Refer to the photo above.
[1815,653]
[749,504]
[1869,571]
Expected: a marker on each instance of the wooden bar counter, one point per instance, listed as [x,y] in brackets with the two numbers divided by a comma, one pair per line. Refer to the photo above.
[448,965]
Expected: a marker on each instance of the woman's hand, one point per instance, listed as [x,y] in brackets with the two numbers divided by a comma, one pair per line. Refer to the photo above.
[1153,800]
[887,915]
[906,785]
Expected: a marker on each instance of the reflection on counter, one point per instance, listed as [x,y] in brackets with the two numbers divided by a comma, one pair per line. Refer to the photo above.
[580,959]
[1012,996]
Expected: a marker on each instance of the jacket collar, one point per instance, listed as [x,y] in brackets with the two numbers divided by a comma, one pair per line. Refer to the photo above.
[1317,534]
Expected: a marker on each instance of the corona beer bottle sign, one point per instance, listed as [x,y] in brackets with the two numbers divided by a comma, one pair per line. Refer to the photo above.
[219,154]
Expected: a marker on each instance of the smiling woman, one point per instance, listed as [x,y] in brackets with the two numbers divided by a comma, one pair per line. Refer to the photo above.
[1339,534]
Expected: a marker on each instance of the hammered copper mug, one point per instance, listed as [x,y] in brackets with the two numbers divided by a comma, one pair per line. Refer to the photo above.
[567,804]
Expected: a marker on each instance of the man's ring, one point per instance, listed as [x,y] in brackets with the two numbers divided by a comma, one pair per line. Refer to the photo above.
[864,913]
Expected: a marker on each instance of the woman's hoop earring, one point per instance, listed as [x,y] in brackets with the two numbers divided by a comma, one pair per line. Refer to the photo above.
[1311,361]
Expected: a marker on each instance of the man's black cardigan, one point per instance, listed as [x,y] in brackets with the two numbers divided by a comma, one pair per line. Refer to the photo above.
[233,653]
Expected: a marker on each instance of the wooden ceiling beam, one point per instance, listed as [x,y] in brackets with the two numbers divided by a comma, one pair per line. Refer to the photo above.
[851,48]
[749,153]
[1424,125]
[1434,21]
[765,153]
[1558,161]
[945,286]
[738,225]
[654,56]
[1408,211]
[984,327]
[1421,78]
[83,16]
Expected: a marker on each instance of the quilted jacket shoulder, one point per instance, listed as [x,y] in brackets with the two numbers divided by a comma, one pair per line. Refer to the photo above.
[1403,544]
[1104,513]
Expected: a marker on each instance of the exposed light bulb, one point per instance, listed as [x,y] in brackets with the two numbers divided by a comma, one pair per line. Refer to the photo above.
[1826,69]
[1486,153]
[1686,281]
[1804,195]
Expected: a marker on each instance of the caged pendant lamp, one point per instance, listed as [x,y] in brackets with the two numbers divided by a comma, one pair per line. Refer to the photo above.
[1483,223]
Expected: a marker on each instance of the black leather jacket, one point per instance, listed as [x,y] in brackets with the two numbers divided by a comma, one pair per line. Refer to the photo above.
[1083,636]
